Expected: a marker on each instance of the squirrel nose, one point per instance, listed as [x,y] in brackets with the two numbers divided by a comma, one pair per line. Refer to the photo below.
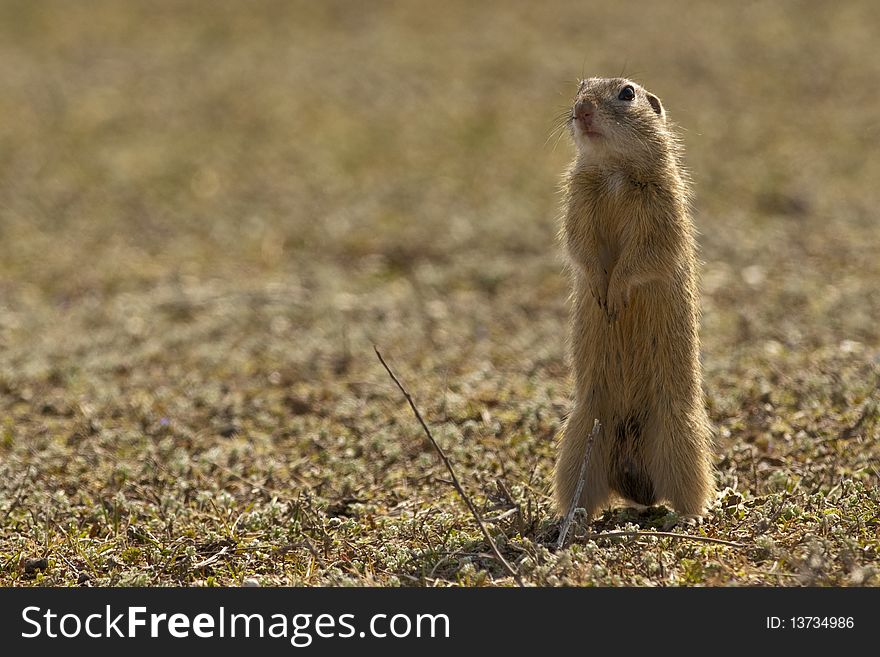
[583,109]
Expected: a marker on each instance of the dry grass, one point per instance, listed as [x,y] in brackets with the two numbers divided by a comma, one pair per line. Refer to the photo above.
[208,216]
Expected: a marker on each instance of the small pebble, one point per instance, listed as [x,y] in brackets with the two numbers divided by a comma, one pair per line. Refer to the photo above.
[33,565]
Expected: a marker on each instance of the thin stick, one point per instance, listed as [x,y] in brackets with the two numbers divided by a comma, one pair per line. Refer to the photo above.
[207,562]
[692,537]
[455,483]
[582,478]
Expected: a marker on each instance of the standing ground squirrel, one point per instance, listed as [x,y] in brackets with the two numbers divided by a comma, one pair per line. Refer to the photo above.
[635,316]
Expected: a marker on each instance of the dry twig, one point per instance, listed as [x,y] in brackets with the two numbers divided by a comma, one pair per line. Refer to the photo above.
[213,558]
[691,537]
[455,482]
[582,478]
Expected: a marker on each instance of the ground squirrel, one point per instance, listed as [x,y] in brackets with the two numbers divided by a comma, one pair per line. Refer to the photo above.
[635,347]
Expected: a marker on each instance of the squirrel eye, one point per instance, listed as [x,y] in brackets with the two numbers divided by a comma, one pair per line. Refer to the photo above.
[627,93]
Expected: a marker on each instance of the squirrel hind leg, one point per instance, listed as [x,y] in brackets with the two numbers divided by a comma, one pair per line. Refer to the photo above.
[694,496]
[684,473]
[594,496]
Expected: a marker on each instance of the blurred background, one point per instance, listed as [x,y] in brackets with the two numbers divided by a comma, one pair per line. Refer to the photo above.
[209,212]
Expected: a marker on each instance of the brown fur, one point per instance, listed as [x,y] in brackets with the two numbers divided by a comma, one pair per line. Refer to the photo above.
[635,347]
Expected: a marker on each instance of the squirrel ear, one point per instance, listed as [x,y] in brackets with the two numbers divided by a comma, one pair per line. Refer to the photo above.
[655,103]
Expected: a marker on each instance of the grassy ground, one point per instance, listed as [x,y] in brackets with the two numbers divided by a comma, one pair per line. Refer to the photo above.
[209,216]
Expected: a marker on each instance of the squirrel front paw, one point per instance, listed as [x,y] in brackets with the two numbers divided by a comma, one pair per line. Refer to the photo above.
[599,296]
[616,301]
[598,284]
